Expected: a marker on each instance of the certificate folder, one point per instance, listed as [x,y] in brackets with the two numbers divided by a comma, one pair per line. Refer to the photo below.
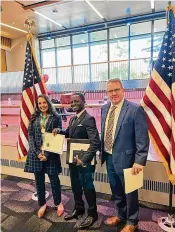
[77,147]
[53,143]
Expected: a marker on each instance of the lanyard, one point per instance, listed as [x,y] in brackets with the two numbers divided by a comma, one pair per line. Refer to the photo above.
[43,123]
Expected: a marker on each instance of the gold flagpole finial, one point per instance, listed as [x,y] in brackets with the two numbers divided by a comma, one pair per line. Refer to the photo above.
[169,3]
[29,23]
[169,7]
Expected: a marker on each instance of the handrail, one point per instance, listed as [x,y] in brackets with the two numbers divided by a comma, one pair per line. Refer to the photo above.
[57,106]
[74,65]
[104,62]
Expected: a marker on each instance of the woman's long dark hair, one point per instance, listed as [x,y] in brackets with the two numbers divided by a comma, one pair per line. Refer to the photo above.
[51,109]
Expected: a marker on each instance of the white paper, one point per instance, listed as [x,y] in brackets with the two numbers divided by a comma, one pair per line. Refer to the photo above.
[53,143]
[132,182]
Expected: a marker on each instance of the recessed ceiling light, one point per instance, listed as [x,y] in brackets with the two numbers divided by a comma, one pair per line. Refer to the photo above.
[51,20]
[15,28]
[94,9]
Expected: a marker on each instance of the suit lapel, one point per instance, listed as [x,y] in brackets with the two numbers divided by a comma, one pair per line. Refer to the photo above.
[78,120]
[121,117]
[104,115]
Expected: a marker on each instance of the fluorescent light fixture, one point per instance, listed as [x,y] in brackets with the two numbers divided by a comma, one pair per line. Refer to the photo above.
[51,20]
[152,4]
[15,28]
[96,11]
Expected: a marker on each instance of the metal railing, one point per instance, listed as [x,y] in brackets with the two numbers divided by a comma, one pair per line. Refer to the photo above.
[139,69]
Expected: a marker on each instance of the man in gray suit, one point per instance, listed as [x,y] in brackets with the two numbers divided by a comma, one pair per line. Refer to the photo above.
[125,144]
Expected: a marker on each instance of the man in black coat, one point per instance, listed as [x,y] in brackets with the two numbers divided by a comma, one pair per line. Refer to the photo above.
[82,126]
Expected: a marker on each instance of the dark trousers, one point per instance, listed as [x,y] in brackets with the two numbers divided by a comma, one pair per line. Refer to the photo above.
[82,180]
[126,204]
[40,187]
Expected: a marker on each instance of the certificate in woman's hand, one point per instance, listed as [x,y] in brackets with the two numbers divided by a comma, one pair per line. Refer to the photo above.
[53,143]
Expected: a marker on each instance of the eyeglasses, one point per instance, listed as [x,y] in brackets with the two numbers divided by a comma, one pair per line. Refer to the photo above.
[113,90]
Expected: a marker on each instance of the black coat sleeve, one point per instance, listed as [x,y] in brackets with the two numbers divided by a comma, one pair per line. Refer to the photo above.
[94,139]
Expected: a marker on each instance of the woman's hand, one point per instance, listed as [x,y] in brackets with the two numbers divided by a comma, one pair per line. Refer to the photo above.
[40,155]
[43,158]
[55,131]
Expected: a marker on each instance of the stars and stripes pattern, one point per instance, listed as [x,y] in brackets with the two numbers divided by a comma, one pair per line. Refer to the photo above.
[159,101]
[32,88]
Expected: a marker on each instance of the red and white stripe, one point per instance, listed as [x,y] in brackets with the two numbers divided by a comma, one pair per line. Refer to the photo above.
[27,108]
[159,105]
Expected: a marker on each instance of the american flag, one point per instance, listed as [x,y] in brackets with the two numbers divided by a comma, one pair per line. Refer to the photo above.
[159,101]
[32,87]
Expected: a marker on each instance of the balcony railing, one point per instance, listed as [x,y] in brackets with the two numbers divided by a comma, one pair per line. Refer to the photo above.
[139,69]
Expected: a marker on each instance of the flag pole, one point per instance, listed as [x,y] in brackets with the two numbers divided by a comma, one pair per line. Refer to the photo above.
[29,23]
[168,223]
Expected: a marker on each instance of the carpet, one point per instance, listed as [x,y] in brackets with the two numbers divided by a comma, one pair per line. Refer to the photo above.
[19,211]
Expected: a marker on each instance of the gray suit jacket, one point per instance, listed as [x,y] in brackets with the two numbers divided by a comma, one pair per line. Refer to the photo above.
[131,141]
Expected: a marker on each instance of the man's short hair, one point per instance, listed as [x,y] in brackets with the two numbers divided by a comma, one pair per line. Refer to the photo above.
[81,95]
[115,80]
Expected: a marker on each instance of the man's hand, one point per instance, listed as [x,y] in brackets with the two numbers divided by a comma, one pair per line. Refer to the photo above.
[78,161]
[55,131]
[99,154]
[136,168]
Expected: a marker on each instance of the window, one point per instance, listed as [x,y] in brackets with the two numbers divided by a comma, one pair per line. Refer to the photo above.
[48,58]
[140,28]
[64,56]
[157,42]
[160,25]
[99,52]
[98,35]
[141,47]
[118,46]
[64,41]
[81,54]
[140,57]
[118,32]
[79,39]
[118,49]
[118,43]
[47,44]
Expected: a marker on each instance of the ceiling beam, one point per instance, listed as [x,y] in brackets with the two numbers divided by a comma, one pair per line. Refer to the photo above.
[38,4]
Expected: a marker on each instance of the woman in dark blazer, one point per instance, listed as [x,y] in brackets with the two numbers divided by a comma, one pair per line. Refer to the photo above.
[39,162]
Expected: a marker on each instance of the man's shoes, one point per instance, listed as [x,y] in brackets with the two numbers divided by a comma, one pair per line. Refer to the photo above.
[112,221]
[88,222]
[73,214]
[129,228]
